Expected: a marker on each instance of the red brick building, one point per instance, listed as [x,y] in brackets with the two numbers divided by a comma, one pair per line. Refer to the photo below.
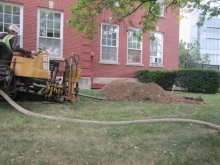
[116,53]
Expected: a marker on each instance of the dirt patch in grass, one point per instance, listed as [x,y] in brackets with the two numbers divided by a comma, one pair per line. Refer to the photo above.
[125,90]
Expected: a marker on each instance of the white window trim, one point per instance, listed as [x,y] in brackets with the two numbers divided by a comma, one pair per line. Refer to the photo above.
[141,49]
[61,31]
[162,51]
[117,40]
[21,19]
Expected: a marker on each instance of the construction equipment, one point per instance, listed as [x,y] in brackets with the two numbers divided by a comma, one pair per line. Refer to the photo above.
[36,78]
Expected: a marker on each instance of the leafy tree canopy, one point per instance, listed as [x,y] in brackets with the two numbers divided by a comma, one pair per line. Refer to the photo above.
[190,52]
[85,12]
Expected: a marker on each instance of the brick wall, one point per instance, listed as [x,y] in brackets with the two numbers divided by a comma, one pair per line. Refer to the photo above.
[82,46]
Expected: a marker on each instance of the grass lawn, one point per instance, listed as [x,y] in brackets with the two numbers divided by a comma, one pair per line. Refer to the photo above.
[26,140]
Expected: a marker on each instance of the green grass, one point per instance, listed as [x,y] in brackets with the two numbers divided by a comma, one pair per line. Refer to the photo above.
[27,140]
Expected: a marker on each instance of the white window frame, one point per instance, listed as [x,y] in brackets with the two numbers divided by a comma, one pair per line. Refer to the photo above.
[109,61]
[53,38]
[134,41]
[20,35]
[157,59]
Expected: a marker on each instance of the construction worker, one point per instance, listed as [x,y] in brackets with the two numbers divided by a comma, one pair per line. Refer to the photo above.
[12,42]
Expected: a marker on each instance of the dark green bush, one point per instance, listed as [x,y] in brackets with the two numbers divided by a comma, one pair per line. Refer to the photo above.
[163,78]
[192,80]
[198,80]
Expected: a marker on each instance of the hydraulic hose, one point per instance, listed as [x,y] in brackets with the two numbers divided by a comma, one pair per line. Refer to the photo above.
[108,123]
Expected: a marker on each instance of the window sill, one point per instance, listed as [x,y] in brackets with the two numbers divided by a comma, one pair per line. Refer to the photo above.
[133,64]
[58,58]
[111,63]
[156,66]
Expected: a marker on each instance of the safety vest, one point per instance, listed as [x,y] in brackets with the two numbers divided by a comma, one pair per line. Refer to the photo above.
[6,40]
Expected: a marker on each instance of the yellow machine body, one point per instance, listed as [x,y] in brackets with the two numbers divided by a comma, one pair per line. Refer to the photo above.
[37,78]
[34,68]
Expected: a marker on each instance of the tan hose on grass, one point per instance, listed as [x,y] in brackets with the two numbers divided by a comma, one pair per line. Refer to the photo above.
[110,123]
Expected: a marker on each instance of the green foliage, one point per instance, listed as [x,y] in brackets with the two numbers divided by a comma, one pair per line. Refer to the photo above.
[198,80]
[86,13]
[192,80]
[207,9]
[190,52]
[163,78]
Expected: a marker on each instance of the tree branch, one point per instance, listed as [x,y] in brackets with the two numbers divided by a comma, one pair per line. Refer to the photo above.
[129,14]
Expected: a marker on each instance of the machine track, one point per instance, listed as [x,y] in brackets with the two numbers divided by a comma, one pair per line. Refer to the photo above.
[108,123]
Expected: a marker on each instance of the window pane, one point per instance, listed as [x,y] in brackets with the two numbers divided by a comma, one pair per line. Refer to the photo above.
[1,17]
[109,42]
[1,8]
[134,56]
[42,31]
[52,46]
[43,23]
[159,48]
[16,10]
[50,16]
[57,33]
[7,18]
[103,41]
[108,35]
[49,24]
[16,20]
[113,35]
[103,34]
[158,54]
[42,14]
[57,17]
[114,42]
[6,27]
[138,45]
[1,27]
[8,9]
[104,27]
[109,53]
[49,33]
[129,44]
[134,45]
[57,25]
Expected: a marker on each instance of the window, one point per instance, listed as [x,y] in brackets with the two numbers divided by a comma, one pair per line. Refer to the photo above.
[109,43]
[161,2]
[156,49]
[11,14]
[134,47]
[50,31]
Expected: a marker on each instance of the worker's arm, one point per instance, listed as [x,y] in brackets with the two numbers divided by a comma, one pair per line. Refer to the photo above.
[16,47]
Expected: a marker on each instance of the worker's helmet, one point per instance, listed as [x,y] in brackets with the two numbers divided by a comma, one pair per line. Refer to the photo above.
[14,28]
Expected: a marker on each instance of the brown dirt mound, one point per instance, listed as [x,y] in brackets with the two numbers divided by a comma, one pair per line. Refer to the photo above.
[125,90]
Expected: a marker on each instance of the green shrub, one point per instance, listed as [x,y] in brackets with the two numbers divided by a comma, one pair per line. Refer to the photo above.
[198,80]
[163,78]
[192,80]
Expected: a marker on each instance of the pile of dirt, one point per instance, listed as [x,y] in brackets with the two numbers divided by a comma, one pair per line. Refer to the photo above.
[126,90]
